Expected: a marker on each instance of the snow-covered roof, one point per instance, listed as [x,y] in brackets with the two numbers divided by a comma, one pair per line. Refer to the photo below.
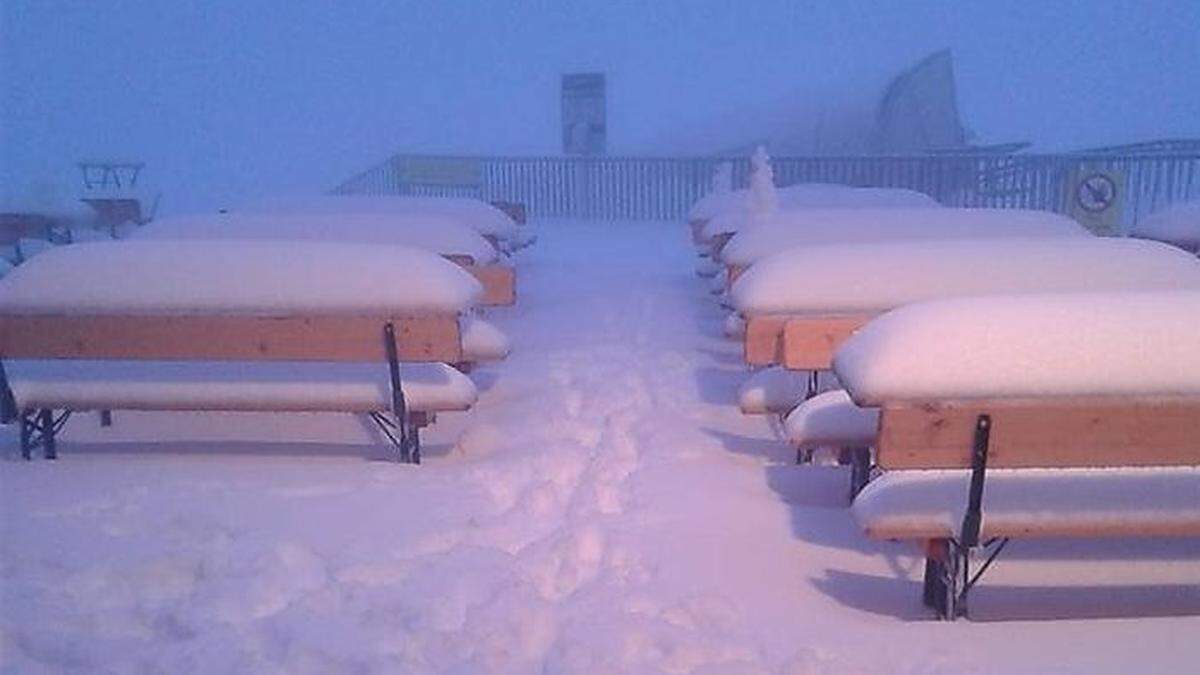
[1176,224]
[436,233]
[1083,344]
[481,216]
[880,276]
[788,229]
[820,196]
[237,276]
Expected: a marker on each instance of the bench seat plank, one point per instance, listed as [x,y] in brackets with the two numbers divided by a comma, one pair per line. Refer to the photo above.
[1024,503]
[234,386]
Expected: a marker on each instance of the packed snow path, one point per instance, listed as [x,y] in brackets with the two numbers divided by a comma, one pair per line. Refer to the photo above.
[605,508]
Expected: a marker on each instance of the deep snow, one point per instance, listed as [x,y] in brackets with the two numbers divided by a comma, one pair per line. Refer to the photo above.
[605,508]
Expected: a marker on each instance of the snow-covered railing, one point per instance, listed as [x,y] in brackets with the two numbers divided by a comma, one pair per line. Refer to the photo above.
[664,188]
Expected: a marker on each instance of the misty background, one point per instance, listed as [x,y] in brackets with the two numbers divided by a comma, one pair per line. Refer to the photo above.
[230,100]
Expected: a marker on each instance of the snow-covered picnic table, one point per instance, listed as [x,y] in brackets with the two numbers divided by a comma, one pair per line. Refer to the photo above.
[731,212]
[828,291]
[786,230]
[1081,410]
[444,235]
[155,303]
[484,218]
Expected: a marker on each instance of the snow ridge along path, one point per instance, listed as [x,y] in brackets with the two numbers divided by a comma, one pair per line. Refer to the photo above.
[604,508]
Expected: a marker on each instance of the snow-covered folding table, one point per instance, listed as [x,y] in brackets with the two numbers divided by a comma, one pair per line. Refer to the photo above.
[1060,415]
[443,235]
[234,325]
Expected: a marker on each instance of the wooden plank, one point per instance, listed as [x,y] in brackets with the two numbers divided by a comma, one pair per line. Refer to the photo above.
[499,284]
[1048,433]
[218,337]
[809,342]
[763,340]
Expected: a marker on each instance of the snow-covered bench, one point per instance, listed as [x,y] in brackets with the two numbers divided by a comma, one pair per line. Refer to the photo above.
[786,230]
[1063,415]
[234,325]
[443,235]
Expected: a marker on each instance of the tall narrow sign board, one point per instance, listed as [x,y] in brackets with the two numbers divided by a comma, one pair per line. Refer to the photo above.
[584,129]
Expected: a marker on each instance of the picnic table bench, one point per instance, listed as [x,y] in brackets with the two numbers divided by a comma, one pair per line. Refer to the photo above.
[996,421]
[234,326]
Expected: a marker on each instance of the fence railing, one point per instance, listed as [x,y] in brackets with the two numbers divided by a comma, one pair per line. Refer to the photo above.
[664,188]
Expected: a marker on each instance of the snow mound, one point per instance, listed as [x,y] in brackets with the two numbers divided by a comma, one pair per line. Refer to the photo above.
[439,234]
[831,418]
[880,276]
[481,216]
[237,276]
[481,341]
[931,503]
[791,229]
[1087,344]
[1177,224]
[291,386]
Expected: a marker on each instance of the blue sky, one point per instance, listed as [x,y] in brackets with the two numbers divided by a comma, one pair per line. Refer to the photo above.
[225,100]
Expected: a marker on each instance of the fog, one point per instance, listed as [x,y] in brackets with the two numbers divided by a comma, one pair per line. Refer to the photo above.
[241,99]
